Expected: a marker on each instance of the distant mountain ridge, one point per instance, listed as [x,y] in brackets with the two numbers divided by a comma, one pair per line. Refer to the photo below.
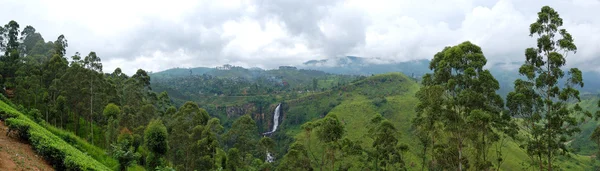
[505,73]
[367,66]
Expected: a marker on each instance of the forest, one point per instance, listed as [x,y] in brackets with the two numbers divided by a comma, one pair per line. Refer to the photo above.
[78,116]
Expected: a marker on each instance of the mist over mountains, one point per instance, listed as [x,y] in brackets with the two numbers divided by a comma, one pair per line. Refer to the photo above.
[505,73]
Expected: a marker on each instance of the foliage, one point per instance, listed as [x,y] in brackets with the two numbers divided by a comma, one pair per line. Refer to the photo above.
[155,138]
[123,151]
[465,97]
[97,153]
[243,135]
[296,159]
[539,99]
[111,111]
[55,150]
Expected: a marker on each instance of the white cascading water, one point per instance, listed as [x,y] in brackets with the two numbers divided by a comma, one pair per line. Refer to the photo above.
[270,157]
[275,120]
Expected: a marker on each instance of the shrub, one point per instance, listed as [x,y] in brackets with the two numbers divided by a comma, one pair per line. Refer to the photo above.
[379,101]
[35,114]
[155,137]
[111,110]
[54,149]
[95,152]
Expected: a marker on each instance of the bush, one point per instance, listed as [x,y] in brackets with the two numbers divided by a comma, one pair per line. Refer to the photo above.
[54,149]
[379,101]
[60,154]
[97,153]
[155,137]
[35,114]
[111,110]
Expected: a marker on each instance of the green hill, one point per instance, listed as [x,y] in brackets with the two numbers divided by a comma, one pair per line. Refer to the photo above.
[393,96]
[581,143]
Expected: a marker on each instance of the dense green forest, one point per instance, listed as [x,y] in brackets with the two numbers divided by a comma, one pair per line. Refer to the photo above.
[455,116]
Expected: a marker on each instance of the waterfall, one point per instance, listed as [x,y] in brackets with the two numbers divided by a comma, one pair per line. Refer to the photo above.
[275,120]
[270,157]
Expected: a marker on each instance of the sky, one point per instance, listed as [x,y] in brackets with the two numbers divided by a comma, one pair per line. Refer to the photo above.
[156,35]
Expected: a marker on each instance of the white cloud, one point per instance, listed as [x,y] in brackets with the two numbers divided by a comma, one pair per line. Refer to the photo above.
[157,35]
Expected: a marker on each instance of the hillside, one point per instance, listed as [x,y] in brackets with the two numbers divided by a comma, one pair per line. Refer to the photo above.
[367,66]
[53,148]
[505,73]
[17,155]
[582,144]
[392,96]
[230,92]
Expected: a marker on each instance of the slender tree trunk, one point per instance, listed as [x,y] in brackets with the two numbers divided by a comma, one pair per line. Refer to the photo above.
[61,121]
[333,159]
[92,111]
[549,161]
[548,114]
[541,162]
[424,158]
[484,146]
[322,161]
[75,121]
[432,153]
[460,155]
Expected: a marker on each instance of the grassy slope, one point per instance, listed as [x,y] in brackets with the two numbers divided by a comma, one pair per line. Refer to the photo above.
[356,108]
[48,144]
[582,143]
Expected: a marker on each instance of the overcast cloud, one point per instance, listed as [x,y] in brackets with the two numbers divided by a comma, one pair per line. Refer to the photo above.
[156,35]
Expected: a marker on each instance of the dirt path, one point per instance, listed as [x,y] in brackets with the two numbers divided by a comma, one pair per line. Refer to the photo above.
[16,155]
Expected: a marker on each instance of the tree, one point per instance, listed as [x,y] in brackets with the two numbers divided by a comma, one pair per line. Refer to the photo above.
[72,88]
[123,151]
[31,39]
[350,149]
[11,53]
[94,66]
[315,84]
[428,123]
[234,160]
[458,71]
[385,142]
[539,99]
[12,33]
[329,131]
[595,137]
[182,126]
[206,144]
[112,130]
[156,141]
[296,159]
[266,145]
[60,46]
[111,111]
[61,109]
[243,135]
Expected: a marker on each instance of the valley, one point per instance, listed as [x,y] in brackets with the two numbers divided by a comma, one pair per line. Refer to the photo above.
[451,105]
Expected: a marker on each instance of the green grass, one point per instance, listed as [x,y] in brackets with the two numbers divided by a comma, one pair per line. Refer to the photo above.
[581,142]
[358,102]
[59,153]
[356,105]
